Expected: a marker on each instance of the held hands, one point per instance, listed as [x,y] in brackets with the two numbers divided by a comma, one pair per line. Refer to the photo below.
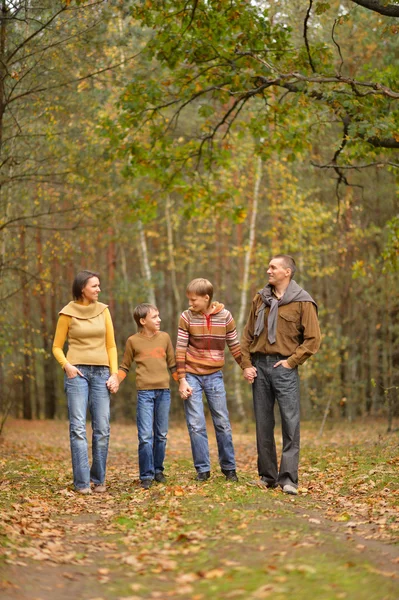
[250,373]
[113,383]
[184,389]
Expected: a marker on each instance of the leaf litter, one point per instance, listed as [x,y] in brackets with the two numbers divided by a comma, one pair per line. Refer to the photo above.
[171,532]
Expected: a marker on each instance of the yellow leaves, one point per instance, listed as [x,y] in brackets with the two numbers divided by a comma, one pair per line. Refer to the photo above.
[343,517]
[213,574]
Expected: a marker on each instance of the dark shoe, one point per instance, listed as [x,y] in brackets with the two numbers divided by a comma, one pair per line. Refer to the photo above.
[160,477]
[203,476]
[146,484]
[230,475]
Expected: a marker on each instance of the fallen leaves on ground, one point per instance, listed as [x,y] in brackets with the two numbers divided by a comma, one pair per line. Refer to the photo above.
[345,479]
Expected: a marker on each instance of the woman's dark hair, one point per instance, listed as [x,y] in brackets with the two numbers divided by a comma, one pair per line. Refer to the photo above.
[80,282]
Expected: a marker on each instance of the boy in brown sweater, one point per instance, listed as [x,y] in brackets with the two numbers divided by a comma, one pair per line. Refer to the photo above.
[152,351]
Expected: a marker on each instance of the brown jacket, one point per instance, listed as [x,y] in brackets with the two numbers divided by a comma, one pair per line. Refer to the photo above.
[298,333]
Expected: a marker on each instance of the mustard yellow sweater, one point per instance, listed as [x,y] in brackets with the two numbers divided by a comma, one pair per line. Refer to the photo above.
[90,334]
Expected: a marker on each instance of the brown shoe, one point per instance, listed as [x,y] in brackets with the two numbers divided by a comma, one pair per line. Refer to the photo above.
[99,488]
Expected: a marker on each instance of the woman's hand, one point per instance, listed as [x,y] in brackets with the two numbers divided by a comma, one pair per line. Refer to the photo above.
[72,371]
[113,383]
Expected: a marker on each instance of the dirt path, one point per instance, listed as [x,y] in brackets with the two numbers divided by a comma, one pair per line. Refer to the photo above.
[183,540]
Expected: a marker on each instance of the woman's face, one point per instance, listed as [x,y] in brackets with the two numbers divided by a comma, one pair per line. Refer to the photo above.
[91,290]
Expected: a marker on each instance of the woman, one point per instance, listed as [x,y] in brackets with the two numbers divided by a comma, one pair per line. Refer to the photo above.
[92,356]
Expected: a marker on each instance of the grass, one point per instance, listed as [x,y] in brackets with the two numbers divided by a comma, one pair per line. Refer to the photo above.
[195,541]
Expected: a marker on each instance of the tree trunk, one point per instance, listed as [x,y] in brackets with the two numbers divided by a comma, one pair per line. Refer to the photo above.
[172,262]
[111,262]
[146,264]
[50,395]
[26,390]
[244,285]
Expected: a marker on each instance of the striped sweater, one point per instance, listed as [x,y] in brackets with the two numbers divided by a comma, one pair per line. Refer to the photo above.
[201,340]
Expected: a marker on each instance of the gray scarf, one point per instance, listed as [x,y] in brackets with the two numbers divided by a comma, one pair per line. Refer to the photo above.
[293,293]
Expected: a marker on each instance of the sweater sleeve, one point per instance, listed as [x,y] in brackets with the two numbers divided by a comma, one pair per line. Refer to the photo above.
[311,336]
[61,334]
[128,358]
[110,343]
[232,338]
[183,336]
[171,360]
[248,337]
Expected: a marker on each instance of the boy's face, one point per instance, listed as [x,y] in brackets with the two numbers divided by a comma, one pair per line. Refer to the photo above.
[152,322]
[198,303]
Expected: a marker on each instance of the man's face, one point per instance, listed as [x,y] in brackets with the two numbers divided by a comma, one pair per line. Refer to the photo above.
[277,272]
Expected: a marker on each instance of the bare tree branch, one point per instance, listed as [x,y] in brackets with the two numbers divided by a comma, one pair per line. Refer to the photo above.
[388,10]
[383,142]
[305,35]
[356,167]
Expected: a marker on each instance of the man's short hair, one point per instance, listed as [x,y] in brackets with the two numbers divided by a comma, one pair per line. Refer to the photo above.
[141,311]
[80,282]
[288,261]
[200,287]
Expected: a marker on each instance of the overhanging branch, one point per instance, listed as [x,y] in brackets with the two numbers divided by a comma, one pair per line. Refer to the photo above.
[388,10]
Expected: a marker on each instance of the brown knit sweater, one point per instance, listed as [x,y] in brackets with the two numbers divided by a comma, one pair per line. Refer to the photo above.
[153,357]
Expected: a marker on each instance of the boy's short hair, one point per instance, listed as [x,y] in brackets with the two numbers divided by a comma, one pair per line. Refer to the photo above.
[200,287]
[141,311]
[288,262]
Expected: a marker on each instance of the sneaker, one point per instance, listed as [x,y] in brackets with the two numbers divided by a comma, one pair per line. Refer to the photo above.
[160,477]
[83,490]
[290,489]
[203,476]
[99,488]
[230,475]
[146,484]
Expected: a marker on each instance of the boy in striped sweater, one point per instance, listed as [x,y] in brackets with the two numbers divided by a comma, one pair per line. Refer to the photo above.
[204,329]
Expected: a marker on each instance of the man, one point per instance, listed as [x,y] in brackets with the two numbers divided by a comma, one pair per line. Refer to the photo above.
[282,331]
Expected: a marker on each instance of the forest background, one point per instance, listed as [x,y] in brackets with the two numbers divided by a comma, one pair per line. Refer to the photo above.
[154,142]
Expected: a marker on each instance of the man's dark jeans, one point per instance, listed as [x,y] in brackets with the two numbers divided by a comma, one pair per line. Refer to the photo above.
[279,384]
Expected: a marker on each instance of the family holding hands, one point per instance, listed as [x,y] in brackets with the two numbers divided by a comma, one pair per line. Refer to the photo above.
[282,331]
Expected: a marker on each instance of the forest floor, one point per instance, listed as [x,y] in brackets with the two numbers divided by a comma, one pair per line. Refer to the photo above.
[338,539]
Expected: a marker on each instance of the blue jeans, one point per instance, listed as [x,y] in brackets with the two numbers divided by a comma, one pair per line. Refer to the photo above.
[152,428]
[82,392]
[213,387]
[279,384]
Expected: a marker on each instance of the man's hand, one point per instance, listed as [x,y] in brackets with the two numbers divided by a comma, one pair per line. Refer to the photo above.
[184,389]
[250,373]
[283,363]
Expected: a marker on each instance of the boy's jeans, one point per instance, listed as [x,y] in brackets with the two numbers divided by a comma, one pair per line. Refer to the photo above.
[213,387]
[152,427]
[82,392]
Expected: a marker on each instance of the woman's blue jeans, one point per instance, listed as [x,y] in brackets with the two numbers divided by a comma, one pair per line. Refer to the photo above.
[152,427]
[89,391]
[213,387]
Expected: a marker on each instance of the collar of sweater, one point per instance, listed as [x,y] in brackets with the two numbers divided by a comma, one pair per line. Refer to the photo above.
[82,311]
